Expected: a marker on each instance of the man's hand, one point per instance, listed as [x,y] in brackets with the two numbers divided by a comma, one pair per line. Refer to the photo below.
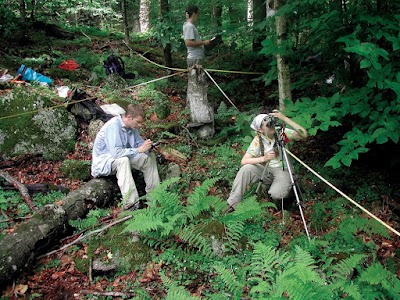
[146,146]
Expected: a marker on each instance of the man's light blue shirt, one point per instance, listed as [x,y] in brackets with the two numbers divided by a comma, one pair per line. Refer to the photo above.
[113,141]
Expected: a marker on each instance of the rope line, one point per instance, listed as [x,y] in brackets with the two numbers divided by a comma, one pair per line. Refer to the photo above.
[153,80]
[185,70]
[212,79]
[343,194]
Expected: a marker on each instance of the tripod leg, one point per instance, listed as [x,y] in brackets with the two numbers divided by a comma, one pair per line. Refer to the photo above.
[283,213]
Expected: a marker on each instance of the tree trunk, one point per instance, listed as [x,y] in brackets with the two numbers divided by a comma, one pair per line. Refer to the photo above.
[259,16]
[44,229]
[201,111]
[22,9]
[282,64]
[124,7]
[163,10]
[33,10]
[144,15]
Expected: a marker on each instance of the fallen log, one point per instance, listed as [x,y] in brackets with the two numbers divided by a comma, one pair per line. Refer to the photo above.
[43,231]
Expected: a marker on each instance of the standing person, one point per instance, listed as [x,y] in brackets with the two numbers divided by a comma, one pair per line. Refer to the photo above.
[194,45]
[271,9]
[118,148]
[264,150]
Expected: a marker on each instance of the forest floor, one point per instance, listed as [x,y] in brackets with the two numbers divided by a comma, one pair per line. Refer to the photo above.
[63,280]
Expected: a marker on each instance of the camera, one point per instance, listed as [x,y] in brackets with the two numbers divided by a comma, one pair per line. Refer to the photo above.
[270,120]
[155,144]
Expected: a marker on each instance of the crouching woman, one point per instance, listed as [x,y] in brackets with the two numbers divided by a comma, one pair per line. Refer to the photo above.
[262,153]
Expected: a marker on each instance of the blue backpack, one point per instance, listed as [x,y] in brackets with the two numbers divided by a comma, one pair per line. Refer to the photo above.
[114,64]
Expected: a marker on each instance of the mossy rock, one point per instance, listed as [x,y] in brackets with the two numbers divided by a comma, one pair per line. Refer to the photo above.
[32,125]
[130,254]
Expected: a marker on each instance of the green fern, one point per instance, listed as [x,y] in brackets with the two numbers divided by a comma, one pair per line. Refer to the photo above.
[230,279]
[195,239]
[345,268]
[378,276]
[175,292]
[91,220]
[198,201]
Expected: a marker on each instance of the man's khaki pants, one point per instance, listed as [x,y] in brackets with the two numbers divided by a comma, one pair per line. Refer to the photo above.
[122,168]
[278,179]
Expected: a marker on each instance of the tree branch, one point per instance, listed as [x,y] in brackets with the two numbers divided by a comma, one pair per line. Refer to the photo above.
[22,189]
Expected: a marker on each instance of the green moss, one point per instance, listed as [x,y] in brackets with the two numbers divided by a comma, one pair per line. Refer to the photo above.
[76,169]
[129,255]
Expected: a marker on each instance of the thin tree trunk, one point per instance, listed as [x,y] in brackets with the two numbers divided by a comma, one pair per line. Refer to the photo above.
[22,9]
[284,82]
[259,16]
[33,10]
[144,15]
[124,7]
[163,10]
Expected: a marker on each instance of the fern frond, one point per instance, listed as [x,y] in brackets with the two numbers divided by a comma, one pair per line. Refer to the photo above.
[198,200]
[248,208]
[195,239]
[172,224]
[267,262]
[349,288]
[234,231]
[296,289]
[376,274]
[345,267]
[229,278]
[143,221]
[175,292]
[304,267]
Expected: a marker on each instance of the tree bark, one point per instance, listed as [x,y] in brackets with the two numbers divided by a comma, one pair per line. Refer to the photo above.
[259,16]
[284,82]
[201,111]
[22,9]
[19,249]
[124,7]
[144,15]
[163,10]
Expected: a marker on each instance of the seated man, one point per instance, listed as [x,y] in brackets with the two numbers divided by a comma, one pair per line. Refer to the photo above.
[118,148]
[264,153]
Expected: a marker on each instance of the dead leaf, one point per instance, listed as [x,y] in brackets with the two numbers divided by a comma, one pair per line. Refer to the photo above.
[21,289]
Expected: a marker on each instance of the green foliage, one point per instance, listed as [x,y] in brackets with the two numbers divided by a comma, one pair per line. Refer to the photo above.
[161,101]
[367,104]
[175,292]
[87,59]
[166,216]
[231,281]
[76,169]
[9,23]
[91,220]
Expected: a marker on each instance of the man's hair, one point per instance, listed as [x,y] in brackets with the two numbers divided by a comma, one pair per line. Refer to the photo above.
[192,9]
[134,110]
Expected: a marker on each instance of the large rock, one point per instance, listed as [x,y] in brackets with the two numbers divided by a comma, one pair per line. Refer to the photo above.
[33,125]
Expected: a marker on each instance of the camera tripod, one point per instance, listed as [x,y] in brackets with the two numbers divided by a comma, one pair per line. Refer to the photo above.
[296,190]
